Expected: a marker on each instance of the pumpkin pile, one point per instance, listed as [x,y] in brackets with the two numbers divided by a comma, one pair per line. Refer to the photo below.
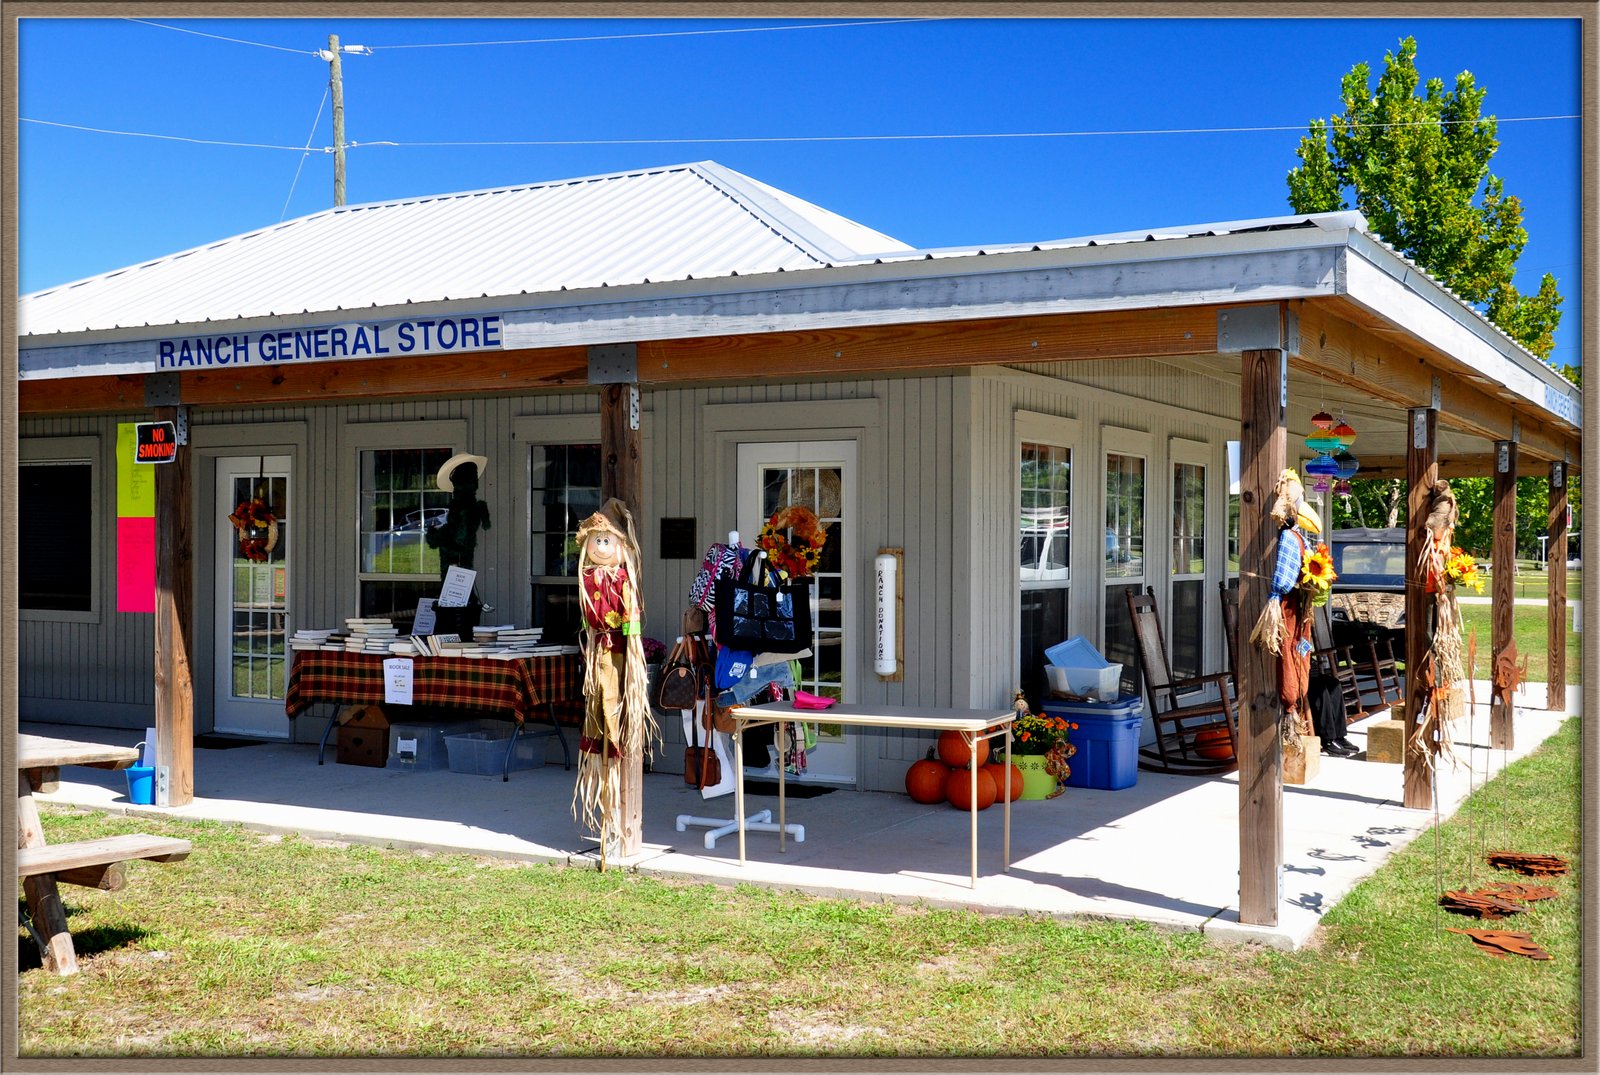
[945,775]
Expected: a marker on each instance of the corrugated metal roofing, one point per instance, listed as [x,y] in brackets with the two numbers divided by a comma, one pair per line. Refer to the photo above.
[672,223]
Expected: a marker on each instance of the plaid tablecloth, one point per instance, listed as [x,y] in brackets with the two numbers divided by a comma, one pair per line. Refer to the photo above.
[517,686]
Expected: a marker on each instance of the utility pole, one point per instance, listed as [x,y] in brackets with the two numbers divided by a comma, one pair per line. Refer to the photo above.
[337,78]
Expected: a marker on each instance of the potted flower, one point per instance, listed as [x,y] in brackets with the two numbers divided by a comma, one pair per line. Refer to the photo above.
[1040,747]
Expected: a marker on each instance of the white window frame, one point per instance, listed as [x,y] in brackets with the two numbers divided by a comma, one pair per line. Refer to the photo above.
[54,451]
[378,436]
[1182,450]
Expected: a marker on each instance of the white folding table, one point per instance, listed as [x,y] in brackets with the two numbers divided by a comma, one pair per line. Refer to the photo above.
[973,724]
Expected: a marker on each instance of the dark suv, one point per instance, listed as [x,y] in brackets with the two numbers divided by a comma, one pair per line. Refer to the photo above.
[1369,594]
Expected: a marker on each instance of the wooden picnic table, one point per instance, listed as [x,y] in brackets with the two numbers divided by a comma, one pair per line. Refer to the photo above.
[96,863]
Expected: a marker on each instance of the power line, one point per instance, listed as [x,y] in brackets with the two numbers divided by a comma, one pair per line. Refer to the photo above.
[1146,132]
[664,33]
[163,137]
[219,37]
[301,166]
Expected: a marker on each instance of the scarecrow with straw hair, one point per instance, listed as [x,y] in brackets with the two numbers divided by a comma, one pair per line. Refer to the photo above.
[617,719]
[1301,575]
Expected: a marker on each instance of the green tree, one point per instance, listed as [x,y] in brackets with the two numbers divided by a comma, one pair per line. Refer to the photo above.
[1417,168]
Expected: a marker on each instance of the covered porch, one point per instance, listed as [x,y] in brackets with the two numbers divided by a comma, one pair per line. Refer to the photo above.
[1163,851]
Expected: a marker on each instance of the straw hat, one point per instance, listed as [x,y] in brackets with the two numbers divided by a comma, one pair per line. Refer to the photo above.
[457,460]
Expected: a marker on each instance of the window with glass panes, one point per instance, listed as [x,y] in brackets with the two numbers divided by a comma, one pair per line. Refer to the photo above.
[564,490]
[55,536]
[400,501]
[1044,540]
[1186,634]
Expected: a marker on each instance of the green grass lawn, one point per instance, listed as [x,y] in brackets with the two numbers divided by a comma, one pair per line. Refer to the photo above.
[1529,632]
[264,946]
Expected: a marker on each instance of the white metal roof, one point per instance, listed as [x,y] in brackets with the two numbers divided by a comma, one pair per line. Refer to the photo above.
[688,221]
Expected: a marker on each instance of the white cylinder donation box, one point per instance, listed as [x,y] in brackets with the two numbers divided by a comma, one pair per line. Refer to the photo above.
[884,650]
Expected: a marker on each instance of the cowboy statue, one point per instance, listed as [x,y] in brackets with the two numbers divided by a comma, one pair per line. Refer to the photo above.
[457,537]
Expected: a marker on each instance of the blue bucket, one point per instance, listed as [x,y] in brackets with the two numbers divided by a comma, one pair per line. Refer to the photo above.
[141,785]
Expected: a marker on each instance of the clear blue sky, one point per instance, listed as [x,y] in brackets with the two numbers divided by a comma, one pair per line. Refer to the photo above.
[92,202]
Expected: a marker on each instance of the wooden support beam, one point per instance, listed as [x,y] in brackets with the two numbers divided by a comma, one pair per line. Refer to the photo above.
[1503,592]
[1556,568]
[1172,331]
[1336,346]
[622,476]
[1422,470]
[174,684]
[1471,465]
[1263,448]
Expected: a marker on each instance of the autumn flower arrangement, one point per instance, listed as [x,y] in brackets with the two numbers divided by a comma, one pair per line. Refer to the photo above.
[258,528]
[1317,575]
[1035,733]
[798,554]
[1460,569]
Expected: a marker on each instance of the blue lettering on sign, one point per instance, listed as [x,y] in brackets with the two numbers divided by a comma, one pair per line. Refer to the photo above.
[202,351]
[333,342]
[1561,403]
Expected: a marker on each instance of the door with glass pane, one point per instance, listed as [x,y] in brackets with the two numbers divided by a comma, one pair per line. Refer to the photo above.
[251,598]
[1124,559]
[1186,627]
[819,475]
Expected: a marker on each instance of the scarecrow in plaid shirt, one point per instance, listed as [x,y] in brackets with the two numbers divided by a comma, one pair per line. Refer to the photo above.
[1284,628]
[617,719]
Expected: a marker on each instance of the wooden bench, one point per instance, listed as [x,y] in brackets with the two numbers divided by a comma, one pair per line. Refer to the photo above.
[100,863]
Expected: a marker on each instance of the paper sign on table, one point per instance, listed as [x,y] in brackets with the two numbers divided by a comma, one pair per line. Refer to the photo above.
[457,587]
[147,756]
[423,624]
[397,681]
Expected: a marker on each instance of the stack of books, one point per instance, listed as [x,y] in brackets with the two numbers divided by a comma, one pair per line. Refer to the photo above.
[518,639]
[370,634]
[310,639]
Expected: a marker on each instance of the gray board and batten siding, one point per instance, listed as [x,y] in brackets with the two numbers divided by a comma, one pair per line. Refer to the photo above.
[937,477]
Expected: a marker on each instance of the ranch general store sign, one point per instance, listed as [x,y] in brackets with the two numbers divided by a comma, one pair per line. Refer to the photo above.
[416,336]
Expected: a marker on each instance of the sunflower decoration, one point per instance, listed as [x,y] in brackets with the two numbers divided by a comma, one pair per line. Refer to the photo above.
[799,553]
[1460,569]
[1317,575]
[258,528]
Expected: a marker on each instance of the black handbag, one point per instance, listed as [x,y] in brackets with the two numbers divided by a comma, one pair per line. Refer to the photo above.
[756,614]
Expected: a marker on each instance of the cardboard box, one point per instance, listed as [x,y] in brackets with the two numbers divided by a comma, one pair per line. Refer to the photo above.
[363,736]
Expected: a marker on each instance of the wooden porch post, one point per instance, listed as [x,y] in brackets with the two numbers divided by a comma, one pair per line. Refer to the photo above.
[1502,613]
[621,476]
[174,687]
[1263,444]
[1556,563]
[1422,470]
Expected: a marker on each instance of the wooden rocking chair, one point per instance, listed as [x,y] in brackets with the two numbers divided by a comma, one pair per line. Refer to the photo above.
[1194,737]
[1230,628]
[1367,679]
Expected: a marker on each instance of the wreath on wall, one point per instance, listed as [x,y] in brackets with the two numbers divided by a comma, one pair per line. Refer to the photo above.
[257,526]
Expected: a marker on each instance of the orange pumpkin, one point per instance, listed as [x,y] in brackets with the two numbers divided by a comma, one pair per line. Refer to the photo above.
[958,789]
[953,750]
[925,780]
[1213,743]
[997,770]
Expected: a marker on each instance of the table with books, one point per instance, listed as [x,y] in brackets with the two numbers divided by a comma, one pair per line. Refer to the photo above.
[527,681]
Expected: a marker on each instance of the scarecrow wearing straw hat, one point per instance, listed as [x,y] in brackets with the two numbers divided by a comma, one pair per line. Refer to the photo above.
[617,718]
[1300,576]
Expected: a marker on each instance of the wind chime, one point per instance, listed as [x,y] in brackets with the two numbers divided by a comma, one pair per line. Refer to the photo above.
[1333,466]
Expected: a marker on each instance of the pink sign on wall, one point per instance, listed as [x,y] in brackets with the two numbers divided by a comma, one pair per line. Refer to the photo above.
[136,526]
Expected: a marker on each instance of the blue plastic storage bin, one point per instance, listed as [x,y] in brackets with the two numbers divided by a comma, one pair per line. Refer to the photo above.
[1107,740]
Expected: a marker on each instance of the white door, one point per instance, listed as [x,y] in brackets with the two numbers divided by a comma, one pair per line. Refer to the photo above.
[820,475]
[252,603]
